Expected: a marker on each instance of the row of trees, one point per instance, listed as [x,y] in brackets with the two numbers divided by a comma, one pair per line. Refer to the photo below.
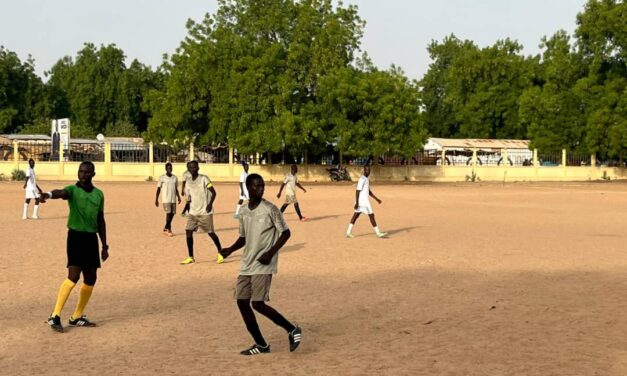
[274,75]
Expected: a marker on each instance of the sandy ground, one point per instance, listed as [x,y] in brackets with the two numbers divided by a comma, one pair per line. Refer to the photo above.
[474,279]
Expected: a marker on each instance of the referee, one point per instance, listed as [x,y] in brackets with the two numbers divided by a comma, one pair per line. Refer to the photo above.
[86,219]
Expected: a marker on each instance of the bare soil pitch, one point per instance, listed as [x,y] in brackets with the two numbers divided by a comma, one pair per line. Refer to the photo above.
[519,279]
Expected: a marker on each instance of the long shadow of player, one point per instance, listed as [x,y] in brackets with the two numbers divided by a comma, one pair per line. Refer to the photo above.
[313,219]
[394,231]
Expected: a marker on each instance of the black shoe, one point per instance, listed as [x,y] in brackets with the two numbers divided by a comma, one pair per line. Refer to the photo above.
[55,323]
[256,349]
[295,337]
[81,321]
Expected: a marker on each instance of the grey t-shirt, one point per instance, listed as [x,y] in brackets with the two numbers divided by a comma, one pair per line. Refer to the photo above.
[168,188]
[199,194]
[261,227]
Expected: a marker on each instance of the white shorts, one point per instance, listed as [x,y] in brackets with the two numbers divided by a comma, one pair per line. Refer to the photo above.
[366,209]
[31,193]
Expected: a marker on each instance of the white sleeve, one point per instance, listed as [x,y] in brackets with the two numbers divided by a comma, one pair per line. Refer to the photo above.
[242,179]
[360,184]
[28,173]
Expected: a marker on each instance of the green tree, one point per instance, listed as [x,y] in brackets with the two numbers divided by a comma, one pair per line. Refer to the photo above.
[22,94]
[473,92]
[551,110]
[373,112]
[96,89]
[602,41]
[249,75]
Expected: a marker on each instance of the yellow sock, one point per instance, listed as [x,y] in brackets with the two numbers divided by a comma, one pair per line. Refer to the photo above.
[64,293]
[83,298]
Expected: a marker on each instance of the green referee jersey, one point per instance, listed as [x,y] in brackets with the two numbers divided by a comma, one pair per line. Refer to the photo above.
[84,208]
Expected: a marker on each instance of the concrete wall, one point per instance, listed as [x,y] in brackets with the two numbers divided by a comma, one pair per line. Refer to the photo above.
[229,172]
[113,171]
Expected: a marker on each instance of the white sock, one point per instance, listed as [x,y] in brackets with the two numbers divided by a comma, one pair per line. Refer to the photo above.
[350,228]
[376,230]
[25,211]
[35,210]
[237,210]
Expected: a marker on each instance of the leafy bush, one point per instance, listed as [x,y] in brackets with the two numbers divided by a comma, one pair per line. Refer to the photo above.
[18,174]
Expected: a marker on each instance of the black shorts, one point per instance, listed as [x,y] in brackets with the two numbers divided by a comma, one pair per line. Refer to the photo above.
[82,249]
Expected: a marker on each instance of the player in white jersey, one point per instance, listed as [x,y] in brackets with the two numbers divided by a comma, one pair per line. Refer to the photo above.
[184,178]
[362,204]
[31,190]
[290,183]
[168,191]
[243,191]
[200,197]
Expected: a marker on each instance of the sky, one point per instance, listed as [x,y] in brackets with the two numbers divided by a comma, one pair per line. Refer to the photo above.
[397,31]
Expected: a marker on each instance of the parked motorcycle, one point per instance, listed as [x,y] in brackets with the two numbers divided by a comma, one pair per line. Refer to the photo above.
[338,173]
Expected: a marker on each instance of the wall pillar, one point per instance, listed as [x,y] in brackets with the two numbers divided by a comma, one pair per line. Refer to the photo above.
[61,161]
[231,159]
[593,165]
[107,161]
[505,156]
[443,157]
[16,153]
[151,159]
[536,163]
[191,151]
[564,162]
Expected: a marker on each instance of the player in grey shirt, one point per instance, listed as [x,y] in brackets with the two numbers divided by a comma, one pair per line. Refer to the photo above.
[263,231]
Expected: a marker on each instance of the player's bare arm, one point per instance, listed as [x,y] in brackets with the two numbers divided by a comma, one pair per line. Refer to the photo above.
[266,258]
[157,197]
[102,233]
[54,195]
[280,190]
[239,243]
[357,192]
[213,198]
[375,197]
[178,196]
[301,187]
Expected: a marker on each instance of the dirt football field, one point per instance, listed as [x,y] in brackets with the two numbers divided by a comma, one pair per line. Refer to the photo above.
[473,279]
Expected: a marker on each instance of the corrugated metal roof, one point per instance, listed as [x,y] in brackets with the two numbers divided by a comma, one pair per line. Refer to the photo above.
[480,143]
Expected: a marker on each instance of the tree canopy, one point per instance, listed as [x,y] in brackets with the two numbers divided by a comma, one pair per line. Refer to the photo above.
[289,75]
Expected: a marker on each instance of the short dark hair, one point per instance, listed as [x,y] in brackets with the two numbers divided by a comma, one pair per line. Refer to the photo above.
[31,160]
[168,164]
[88,163]
[251,177]
[192,162]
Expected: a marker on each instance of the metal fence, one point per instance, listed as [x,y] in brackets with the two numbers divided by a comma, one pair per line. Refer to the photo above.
[6,150]
[36,150]
[130,153]
[80,152]
[577,159]
[550,159]
[212,154]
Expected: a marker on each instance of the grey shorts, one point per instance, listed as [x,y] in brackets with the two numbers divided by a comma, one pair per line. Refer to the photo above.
[169,208]
[253,287]
[200,223]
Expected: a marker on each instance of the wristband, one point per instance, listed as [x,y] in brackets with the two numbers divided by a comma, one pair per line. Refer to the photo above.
[49,194]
